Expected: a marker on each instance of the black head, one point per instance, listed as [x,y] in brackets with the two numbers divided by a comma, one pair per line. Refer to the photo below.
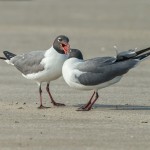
[75,53]
[61,44]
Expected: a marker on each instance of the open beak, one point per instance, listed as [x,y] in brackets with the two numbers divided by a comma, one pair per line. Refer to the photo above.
[65,47]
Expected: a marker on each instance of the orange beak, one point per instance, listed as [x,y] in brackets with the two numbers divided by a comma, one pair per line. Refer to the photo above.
[66,47]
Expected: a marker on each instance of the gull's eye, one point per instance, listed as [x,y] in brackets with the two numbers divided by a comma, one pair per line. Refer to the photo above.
[59,39]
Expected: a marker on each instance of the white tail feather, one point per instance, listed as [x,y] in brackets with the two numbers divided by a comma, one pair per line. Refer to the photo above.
[8,62]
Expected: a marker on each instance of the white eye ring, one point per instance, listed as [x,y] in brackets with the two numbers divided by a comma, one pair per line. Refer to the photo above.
[59,39]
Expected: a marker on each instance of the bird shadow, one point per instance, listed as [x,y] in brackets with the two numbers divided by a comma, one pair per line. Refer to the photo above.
[118,107]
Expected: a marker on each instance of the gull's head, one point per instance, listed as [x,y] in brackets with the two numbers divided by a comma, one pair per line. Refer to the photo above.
[75,53]
[61,44]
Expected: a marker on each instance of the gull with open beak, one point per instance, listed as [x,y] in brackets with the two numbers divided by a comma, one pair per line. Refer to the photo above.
[42,66]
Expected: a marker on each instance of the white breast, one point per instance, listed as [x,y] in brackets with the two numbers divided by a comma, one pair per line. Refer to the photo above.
[52,63]
[70,74]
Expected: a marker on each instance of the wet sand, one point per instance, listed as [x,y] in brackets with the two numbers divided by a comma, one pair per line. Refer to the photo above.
[120,119]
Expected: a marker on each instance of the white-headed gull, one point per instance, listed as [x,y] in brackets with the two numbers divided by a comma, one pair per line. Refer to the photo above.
[100,72]
[42,66]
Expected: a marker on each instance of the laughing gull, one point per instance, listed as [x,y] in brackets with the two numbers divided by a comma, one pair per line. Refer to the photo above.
[42,66]
[100,72]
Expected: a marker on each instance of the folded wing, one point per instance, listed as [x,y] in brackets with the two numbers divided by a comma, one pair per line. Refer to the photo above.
[99,70]
[29,63]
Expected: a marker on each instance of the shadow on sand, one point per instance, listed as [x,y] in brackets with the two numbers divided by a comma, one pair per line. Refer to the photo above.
[118,107]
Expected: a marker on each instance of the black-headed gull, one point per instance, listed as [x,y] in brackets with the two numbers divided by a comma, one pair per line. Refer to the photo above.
[100,72]
[42,66]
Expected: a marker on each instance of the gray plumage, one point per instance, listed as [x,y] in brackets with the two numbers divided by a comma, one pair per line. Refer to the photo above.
[29,63]
[103,69]
[42,66]
[100,72]
[126,55]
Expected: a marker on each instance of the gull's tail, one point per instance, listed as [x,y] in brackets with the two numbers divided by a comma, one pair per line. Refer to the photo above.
[8,55]
[142,51]
[3,58]
[132,54]
[143,56]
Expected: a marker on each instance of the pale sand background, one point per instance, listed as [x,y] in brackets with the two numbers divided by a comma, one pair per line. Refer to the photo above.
[121,118]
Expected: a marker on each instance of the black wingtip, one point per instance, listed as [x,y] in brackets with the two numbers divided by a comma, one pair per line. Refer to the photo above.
[9,55]
[143,56]
[3,58]
[142,51]
[140,54]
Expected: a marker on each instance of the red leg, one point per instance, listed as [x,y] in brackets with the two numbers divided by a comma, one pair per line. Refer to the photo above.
[89,102]
[52,100]
[41,105]
[89,106]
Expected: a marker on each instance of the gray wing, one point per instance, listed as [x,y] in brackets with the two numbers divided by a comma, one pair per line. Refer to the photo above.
[29,63]
[100,70]
[126,55]
[91,65]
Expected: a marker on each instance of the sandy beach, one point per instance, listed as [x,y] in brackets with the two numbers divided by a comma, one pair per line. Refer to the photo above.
[120,119]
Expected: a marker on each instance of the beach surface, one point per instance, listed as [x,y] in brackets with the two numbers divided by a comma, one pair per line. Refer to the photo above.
[119,120]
